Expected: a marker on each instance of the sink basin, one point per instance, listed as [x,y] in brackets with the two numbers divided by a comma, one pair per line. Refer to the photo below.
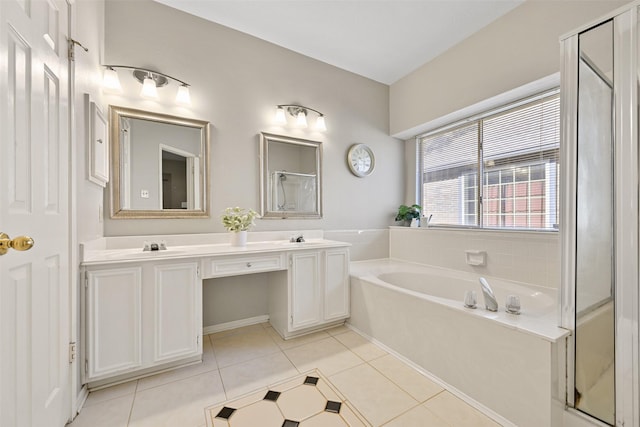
[129,254]
[288,243]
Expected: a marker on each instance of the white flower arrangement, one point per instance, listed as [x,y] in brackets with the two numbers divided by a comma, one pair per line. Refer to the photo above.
[239,219]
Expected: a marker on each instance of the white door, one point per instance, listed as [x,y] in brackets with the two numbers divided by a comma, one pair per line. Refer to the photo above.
[34,152]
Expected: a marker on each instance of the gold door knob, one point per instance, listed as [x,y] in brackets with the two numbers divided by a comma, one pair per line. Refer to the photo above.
[22,243]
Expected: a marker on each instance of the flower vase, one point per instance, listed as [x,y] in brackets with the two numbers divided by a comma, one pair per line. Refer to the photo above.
[239,238]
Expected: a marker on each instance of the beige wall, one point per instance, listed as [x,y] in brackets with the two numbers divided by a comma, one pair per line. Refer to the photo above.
[88,27]
[518,48]
[237,80]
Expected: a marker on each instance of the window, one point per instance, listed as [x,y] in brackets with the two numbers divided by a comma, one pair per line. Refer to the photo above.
[513,152]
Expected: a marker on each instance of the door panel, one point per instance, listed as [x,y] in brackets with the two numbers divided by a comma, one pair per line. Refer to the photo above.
[177,304]
[305,290]
[114,312]
[336,290]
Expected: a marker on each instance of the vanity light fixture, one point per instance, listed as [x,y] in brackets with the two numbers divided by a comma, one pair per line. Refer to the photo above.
[149,88]
[151,80]
[300,113]
[110,79]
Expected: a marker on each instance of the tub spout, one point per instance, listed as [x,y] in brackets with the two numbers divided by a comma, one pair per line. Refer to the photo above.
[490,301]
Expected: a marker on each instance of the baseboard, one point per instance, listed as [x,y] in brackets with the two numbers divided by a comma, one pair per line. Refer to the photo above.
[235,324]
[477,405]
[574,418]
[80,400]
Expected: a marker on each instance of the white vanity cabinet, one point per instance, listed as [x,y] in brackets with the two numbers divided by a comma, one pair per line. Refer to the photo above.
[315,294]
[140,316]
[142,311]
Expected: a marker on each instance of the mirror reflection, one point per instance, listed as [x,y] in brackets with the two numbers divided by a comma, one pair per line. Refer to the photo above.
[159,165]
[290,177]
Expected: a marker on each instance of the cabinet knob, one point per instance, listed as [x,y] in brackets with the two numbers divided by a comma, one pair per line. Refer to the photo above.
[249,264]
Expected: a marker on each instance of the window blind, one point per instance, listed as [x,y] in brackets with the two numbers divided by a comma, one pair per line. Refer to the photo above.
[513,153]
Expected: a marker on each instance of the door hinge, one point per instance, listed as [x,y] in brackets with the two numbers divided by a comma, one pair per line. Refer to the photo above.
[72,352]
[292,319]
[86,366]
[86,279]
[197,339]
[198,271]
[71,45]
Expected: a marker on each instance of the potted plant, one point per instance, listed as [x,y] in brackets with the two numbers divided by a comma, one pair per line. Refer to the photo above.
[238,221]
[407,213]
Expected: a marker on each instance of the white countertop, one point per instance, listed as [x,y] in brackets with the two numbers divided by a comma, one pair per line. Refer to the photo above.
[122,255]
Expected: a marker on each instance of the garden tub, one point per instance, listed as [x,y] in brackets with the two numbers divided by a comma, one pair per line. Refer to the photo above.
[507,365]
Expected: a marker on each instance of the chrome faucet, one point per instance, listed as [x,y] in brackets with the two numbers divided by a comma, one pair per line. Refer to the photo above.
[490,301]
[297,239]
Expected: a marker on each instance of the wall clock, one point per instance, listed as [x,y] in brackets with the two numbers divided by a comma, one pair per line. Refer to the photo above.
[361,160]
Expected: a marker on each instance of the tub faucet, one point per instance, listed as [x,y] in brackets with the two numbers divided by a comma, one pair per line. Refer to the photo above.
[490,301]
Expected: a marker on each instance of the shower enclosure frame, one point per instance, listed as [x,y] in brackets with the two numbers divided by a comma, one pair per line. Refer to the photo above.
[626,68]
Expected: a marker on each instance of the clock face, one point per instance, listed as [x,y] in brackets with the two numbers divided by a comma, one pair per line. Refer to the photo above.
[361,160]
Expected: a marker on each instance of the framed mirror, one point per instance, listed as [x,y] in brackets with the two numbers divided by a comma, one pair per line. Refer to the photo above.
[290,177]
[159,165]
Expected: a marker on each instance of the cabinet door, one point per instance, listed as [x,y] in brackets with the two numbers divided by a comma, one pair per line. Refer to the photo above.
[177,307]
[304,282]
[336,286]
[114,310]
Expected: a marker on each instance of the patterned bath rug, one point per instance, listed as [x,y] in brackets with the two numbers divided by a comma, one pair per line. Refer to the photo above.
[306,400]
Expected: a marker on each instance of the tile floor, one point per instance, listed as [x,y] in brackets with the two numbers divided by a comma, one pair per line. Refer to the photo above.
[241,366]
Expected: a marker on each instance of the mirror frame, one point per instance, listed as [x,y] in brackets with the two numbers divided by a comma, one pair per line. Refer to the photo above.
[265,212]
[117,212]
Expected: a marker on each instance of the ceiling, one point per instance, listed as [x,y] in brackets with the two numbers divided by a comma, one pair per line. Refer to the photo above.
[383,40]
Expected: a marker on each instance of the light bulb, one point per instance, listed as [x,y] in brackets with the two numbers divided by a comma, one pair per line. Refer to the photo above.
[280,117]
[149,88]
[110,79]
[301,119]
[320,124]
[183,96]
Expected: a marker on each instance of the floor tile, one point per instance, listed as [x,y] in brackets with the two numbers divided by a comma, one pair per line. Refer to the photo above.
[360,346]
[353,419]
[418,417]
[327,355]
[241,347]
[112,392]
[374,395]
[180,403]
[110,413]
[302,402]
[262,413]
[383,392]
[295,342]
[417,385]
[456,412]
[325,419]
[299,399]
[245,377]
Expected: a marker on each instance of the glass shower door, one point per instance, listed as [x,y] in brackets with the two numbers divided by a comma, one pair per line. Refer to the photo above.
[594,373]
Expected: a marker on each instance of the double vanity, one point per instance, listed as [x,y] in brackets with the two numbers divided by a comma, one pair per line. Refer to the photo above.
[142,310]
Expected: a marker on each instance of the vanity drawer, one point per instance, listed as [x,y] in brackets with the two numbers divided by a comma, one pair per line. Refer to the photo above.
[234,266]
